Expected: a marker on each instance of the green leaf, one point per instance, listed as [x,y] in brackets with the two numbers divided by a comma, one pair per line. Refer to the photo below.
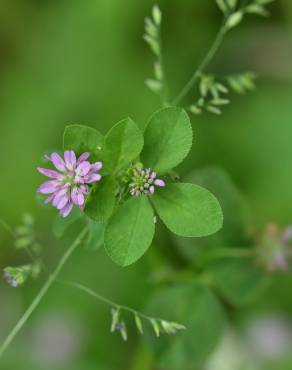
[188,210]
[130,231]
[83,139]
[235,210]
[95,238]
[123,144]
[168,139]
[198,309]
[61,224]
[101,201]
[238,280]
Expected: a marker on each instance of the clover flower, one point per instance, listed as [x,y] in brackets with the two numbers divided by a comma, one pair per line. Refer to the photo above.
[143,181]
[69,184]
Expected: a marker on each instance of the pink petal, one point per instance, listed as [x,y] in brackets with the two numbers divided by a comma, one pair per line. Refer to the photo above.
[83,168]
[152,189]
[64,212]
[160,183]
[96,166]
[57,161]
[63,201]
[48,187]
[83,157]
[77,197]
[49,199]
[93,178]
[49,173]
[58,196]
[84,189]
[70,159]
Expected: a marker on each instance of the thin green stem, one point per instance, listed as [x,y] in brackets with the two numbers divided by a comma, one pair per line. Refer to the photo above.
[222,253]
[209,56]
[41,293]
[103,299]
[7,227]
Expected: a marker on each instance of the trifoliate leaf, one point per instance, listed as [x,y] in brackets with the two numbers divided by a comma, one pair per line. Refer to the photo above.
[168,139]
[123,143]
[83,139]
[188,210]
[130,231]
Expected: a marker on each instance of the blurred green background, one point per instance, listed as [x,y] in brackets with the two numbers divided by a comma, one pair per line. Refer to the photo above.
[85,62]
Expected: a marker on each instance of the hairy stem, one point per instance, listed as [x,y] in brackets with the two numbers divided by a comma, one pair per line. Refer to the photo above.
[52,277]
[209,56]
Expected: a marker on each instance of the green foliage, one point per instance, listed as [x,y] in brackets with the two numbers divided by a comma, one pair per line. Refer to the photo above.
[95,237]
[25,234]
[211,90]
[61,224]
[188,210]
[123,143]
[130,231]
[235,210]
[238,280]
[197,308]
[168,139]
[152,37]
[101,201]
[242,83]
[17,276]
[257,7]
[83,139]
[234,20]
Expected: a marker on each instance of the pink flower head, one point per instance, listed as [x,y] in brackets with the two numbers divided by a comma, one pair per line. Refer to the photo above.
[69,182]
[144,181]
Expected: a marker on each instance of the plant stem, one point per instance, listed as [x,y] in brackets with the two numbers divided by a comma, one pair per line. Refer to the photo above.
[209,56]
[103,299]
[222,253]
[42,292]
[7,227]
